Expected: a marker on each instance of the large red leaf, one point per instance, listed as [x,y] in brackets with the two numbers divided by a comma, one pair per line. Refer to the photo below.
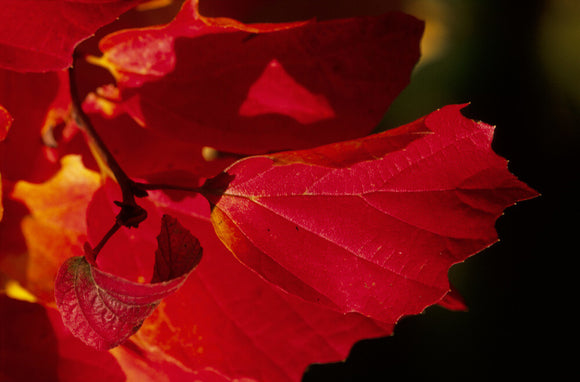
[374,227]
[35,346]
[102,309]
[261,88]
[39,35]
[228,319]
[153,365]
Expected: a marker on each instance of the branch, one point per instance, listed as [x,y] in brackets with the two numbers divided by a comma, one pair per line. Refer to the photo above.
[131,213]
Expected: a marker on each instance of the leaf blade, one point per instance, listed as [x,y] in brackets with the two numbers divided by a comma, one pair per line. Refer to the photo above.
[317,82]
[377,234]
[26,47]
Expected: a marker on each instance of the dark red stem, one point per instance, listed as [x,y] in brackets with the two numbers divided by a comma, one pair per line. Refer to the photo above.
[131,213]
[106,238]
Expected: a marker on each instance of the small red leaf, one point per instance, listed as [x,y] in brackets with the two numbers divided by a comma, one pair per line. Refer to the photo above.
[172,259]
[102,309]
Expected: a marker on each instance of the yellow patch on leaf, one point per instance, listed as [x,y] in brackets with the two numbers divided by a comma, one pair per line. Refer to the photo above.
[14,290]
[5,122]
[56,224]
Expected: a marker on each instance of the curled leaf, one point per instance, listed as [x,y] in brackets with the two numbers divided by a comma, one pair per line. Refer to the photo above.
[102,309]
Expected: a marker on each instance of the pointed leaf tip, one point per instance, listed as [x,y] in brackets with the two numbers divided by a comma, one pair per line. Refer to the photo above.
[102,309]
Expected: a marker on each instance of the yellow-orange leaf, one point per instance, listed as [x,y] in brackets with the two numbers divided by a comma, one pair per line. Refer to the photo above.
[56,224]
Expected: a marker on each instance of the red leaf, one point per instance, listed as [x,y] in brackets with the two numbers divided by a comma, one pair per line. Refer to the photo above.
[173,258]
[292,86]
[40,36]
[39,137]
[146,154]
[376,236]
[41,132]
[226,318]
[103,310]
[5,122]
[137,245]
[35,346]
[23,141]
[51,233]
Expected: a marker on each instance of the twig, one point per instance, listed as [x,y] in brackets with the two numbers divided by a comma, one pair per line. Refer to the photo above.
[105,238]
[131,213]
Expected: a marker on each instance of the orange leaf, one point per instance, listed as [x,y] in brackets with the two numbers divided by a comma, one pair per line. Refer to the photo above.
[56,224]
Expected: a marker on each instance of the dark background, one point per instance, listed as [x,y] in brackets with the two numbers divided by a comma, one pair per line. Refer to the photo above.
[518,63]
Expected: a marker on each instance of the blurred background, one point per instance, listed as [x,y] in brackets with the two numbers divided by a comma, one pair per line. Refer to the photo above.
[518,63]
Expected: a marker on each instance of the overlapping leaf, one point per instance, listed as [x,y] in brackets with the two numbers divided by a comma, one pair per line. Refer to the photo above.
[224,318]
[30,116]
[260,88]
[52,231]
[39,137]
[148,155]
[39,36]
[102,309]
[365,226]
[376,235]
[36,346]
